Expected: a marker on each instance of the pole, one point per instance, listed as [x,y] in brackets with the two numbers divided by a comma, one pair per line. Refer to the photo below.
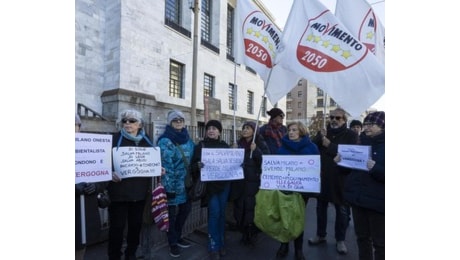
[324,110]
[83,219]
[196,11]
[234,105]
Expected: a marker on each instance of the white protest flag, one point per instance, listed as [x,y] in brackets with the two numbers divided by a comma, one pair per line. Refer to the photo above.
[361,20]
[257,41]
[325,53]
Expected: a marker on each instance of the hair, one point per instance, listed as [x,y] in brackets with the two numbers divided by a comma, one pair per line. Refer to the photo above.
[129,113]
[341,110]
[303,130]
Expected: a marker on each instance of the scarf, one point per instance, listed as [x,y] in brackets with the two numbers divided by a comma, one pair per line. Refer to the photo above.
[243,143]
[135,139]
[176,137]
[273,130]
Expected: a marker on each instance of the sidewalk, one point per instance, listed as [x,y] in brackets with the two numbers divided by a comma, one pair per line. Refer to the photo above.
[265,248]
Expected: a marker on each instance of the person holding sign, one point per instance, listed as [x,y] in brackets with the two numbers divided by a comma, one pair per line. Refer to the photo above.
[86,191]
[127,195]
[296,142]
[176,155]
[333,179]
[217,191]
[365,191]
[243,192]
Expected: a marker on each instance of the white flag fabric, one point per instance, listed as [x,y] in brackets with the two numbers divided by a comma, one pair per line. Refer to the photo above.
[257,42]
[325,53]
[361,20]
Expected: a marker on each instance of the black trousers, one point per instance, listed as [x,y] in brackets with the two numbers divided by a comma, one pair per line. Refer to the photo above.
[370,233]
[120,214]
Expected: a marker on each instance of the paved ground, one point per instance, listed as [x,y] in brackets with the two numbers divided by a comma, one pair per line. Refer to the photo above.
[265,248]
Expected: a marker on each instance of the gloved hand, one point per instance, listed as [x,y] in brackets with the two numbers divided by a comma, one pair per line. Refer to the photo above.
[80,188]
[89,188]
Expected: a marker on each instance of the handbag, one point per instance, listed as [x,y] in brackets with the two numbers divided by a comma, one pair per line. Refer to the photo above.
[160,208]
[198,190]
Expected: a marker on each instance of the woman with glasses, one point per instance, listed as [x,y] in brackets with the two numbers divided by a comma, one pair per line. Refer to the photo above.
[176,154]
[127,195]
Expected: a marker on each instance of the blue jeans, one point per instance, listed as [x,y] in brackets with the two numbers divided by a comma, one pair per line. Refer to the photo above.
[342,219]
[216,219]
[177,216]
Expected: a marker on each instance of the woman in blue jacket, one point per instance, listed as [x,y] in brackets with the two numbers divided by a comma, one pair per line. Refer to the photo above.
[296,142]
[176,155]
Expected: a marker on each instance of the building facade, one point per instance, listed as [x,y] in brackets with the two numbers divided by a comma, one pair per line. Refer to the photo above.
[140,54]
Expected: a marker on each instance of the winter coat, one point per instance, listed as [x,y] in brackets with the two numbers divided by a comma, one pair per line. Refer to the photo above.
[134,188]
[176,169]
[333,176]
[212,187]
[366,189]
[243,192]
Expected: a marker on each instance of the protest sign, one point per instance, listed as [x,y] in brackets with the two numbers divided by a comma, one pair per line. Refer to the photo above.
[222,164]
[300,173]
[133,161]
[354,156]
[92,157]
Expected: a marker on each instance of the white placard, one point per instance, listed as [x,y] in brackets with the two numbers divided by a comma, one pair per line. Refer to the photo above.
[134,161]
[93,157]
[300,173]
[354,156]
[222,164]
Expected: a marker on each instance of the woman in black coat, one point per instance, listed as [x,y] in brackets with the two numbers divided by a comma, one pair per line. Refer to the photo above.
[243,192]
[365,191]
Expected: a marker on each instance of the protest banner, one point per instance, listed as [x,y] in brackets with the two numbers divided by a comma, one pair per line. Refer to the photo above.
[131,161]
[93,157]
[300,173]
[354,156]
[222,164]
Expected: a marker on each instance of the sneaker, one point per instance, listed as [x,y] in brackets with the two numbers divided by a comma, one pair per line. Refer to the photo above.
[316,240]
[182,243]
[174,251]
[341,247]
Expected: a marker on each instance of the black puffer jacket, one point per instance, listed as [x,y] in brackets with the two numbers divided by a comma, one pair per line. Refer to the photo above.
[129,189]
[367,189]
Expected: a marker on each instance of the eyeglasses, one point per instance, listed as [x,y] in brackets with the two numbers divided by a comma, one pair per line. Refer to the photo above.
[130,120]
[335,117]
[177,120]
[368,124]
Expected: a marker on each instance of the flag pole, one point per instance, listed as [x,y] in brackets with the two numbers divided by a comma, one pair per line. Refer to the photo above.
[234,104]
[324,111]
[83,219]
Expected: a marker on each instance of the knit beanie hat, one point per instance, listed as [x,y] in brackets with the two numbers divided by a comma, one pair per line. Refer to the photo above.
[377,118]
[356,123]
[214,123]
[250,124]
[173,114]
[274,112]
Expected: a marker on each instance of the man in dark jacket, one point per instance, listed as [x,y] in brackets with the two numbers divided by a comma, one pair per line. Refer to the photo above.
[365,191]
[332,179]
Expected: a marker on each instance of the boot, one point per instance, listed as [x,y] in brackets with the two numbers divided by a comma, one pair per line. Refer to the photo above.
[298,252]
[283,250]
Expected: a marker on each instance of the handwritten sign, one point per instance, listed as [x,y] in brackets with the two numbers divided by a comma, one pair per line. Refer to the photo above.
[354,156]
[222,164]
[133,161]
[291,173]
[93,157]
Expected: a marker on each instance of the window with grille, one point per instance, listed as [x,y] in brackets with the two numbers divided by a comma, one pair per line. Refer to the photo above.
[319,92]
[176,79]
[299,93]
[208,85]
[230,19]
[250,104]
[232,96]
[206,20]
[320,102]
[173,11]
[264,107]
